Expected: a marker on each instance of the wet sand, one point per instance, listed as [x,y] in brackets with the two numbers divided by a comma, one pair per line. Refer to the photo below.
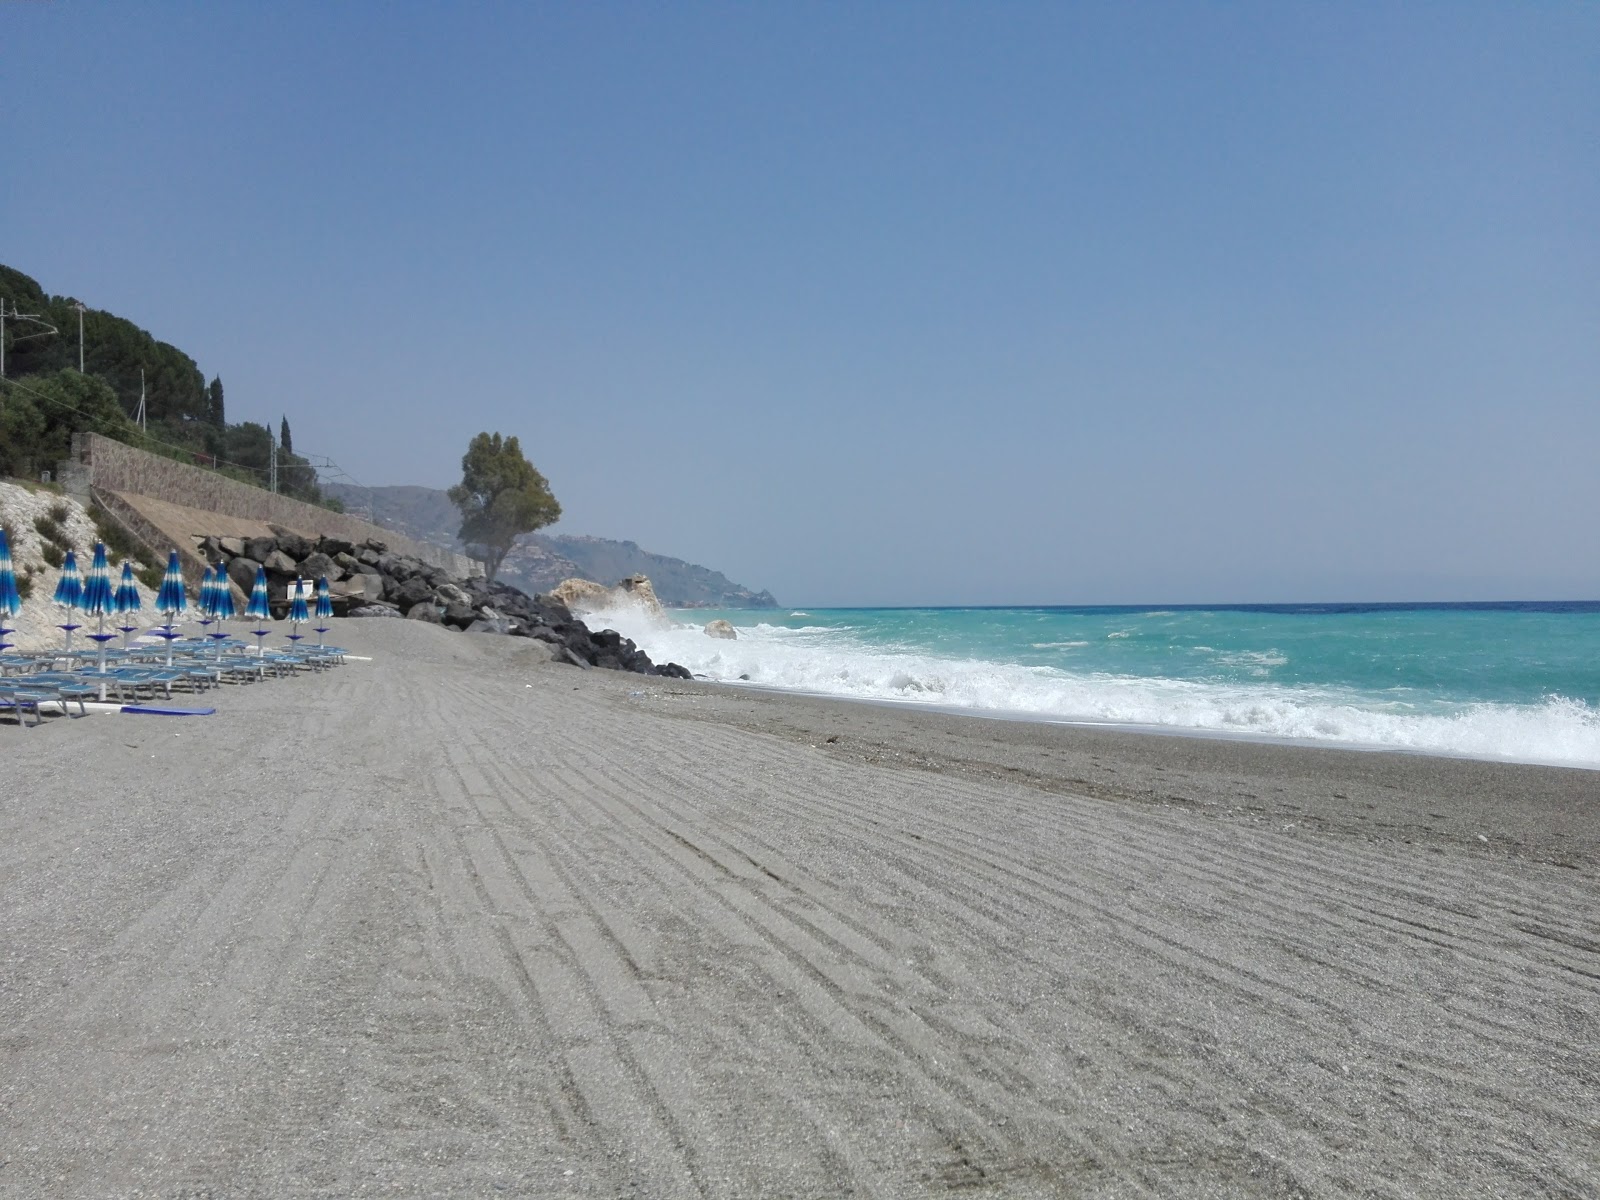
[455,922]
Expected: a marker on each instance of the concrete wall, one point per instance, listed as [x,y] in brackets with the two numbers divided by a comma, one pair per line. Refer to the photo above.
[110,466]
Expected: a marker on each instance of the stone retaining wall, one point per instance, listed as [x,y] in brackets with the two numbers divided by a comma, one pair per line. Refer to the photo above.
[110,466]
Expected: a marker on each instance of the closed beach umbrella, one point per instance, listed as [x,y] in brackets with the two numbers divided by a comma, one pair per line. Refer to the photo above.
[207,601]
[171,599]
[10,598]
[100,602]
[324,606]
[221,603]
[297,610]
[208,588]
[258,608]
[127,601]
[69,593]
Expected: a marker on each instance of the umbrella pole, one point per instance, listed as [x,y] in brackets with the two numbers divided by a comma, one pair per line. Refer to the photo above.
[102,640]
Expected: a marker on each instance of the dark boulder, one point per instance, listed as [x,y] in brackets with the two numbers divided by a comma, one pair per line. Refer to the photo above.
[332,546]
[458,616]
[293,544]
[242,571]
[259,547]
[317,564]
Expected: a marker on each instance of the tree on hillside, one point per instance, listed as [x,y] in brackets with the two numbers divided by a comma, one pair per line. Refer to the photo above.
[501,496]
[285,442]
[218,411]
[39,415]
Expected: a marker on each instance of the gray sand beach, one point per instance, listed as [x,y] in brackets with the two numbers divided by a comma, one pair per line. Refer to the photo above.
[457,922]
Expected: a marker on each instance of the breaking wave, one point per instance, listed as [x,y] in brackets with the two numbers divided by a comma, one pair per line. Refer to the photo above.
[833,660]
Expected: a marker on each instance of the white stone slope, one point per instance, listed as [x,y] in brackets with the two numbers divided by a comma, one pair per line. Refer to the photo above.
[35,627]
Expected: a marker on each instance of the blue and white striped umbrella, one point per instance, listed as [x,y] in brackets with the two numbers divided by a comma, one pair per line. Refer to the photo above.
[98,601]
[324,606]
[171,599]
[127,601]
[221,603]
[69,593]
[10,598]
[258,607]
[297,610]
[222,596]
[208,591]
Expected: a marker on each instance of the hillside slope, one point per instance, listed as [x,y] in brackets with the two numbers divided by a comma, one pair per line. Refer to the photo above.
[540,561]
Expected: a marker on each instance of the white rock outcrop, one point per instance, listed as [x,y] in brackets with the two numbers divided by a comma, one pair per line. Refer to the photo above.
[20,509]
[586,596]
[721,629]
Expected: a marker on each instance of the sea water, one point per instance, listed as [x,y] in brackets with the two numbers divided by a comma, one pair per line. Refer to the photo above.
[1518,682]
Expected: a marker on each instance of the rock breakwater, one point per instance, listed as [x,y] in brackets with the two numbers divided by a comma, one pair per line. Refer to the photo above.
[366,580]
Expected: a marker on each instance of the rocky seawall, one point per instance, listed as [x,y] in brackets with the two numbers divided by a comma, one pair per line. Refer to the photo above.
[367,580]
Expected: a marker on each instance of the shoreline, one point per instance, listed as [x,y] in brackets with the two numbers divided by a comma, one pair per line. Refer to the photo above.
[1180,731]
[461,921]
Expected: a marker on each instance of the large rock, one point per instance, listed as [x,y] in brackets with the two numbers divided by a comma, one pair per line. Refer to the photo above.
[411,592]
[451,594]
[637,588]
[721,629]
[293,544]
[279,563]
[242,570]
[259,547]
[231,546]
[333,547]
[318,564]
[427,611]
[349,563]
[583,595]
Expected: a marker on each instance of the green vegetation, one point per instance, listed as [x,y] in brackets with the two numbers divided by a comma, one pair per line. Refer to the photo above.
[119,544]
[44,399]
[500,497]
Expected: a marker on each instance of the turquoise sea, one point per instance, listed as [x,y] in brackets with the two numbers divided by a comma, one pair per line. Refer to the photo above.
[1514,681]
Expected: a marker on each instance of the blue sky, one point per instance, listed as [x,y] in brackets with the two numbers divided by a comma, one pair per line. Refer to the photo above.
[880,303]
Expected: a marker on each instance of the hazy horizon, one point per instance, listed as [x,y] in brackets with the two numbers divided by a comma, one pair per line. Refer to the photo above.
[940,304]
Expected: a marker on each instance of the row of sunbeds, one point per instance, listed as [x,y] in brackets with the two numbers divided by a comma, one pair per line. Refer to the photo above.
[64,680]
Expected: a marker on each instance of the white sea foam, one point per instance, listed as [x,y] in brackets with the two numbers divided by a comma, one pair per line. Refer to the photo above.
[831,660]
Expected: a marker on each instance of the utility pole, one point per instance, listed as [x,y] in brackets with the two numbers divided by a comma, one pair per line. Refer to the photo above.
[139,418]
[80,308]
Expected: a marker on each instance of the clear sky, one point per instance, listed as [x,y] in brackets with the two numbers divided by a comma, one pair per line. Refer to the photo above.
[879,303]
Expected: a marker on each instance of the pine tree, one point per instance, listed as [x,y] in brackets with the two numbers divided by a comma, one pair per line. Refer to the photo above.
[500,496]
[218,415]
[285,442]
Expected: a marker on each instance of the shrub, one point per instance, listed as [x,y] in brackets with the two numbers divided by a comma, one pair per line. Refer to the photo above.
[59,513]
[119,543]
[50,530]
[151,577]
[52,554]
